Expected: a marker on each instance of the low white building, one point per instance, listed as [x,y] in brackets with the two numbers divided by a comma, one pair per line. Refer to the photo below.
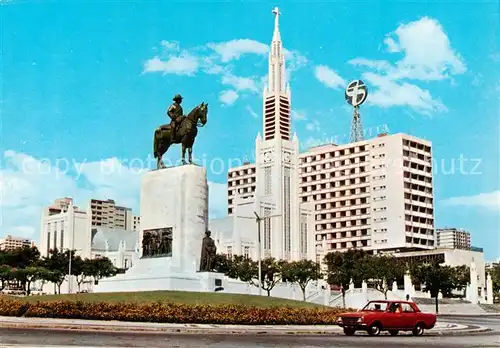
[118,245]
[453,258]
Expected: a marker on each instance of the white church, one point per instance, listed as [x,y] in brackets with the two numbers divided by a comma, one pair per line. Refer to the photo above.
[269,188]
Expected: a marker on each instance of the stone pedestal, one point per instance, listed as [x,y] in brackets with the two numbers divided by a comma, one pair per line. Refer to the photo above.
[173,199]
[177,198]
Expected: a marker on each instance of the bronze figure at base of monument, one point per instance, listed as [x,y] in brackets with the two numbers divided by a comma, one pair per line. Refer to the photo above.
[208,253]
[157,243]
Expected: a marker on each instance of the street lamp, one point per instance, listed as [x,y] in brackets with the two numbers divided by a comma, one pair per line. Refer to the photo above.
[259,219]
[70,250]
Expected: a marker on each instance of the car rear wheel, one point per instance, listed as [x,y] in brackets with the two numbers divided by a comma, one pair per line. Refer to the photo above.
[349,331]
[374,329]
[393,332]
[418,330]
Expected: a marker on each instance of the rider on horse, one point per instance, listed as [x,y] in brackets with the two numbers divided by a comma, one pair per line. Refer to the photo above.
[175,113]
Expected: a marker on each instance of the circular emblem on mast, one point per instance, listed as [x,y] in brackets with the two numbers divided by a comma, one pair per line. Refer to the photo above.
[356,93]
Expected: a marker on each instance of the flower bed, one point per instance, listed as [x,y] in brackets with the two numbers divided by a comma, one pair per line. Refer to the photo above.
[169,313]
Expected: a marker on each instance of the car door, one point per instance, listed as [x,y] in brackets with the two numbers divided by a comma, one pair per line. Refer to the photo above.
[393,317]
[408,316]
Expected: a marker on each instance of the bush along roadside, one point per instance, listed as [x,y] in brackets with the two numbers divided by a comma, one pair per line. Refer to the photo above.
[169,313]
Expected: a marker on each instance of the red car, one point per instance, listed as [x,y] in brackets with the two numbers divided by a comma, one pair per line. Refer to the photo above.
[392,316]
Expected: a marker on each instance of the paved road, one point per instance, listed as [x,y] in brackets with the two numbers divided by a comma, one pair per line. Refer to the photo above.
[493,322]
[41,338]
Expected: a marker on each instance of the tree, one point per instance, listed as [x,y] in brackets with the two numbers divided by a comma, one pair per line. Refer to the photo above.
[247,270]
[435,278]
[383,271]
[343,268]
[6,274]
[461,277]
[58,264]
[301,273]
[100,268]
[79,269]
[495,277]
[271,274]
[26,276]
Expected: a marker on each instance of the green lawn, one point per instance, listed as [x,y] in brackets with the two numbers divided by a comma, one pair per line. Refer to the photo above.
[184,297]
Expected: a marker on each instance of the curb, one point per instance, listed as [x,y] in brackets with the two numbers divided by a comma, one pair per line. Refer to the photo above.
[155,328]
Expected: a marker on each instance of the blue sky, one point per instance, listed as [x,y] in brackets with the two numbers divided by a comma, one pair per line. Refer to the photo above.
[85,83]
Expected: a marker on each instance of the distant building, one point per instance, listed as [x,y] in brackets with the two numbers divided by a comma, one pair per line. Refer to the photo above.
[450,257]
[454,238]
[63,227]
[375,194]
[105,213]
[11,243]
[120,246]
[269,187]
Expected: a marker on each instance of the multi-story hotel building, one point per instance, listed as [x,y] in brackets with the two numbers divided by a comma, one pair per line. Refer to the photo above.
[374,194]
[105,213]
[453,238]
[11,243]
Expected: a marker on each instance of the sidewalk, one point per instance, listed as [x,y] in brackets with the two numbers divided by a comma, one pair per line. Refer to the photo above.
[441,328]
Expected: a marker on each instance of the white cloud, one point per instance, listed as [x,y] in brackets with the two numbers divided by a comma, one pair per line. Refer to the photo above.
[490,201]
[181,65]
[240,83]
[328,77]
[427,51]
[313,126]
[427,56]
[170,45]
[298,115]
[234,49]
[389,93]
[252,112]
[217,59]
[228,97]
[28,184]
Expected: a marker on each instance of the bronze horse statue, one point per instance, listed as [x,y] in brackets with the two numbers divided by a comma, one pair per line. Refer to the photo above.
[185,134]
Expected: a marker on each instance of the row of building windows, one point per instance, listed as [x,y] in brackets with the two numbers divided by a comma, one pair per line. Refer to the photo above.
[333,154]
[233,173]
[341,224]
[420,230]
[341,214]
[419,209]
[338,204]
[416,145]
[333,164]
[418,219]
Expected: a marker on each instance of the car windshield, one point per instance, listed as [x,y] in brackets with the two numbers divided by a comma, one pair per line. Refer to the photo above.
[375,306]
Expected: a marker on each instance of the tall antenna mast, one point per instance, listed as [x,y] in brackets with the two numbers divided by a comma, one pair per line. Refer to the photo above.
[355,95]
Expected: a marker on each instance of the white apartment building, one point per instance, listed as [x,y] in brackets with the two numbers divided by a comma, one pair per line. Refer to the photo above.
[11,243]
[65,227]
[105,213]
[375,194]
[270,186]
[453,238]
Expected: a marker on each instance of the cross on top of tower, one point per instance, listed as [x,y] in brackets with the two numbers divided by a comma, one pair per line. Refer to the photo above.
[277,13]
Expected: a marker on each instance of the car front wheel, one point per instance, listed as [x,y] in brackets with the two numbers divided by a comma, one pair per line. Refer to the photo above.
[418,330]
[348,331]
[374,330]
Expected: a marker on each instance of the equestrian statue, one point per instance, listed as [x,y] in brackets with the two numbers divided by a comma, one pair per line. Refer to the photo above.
[181,130]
